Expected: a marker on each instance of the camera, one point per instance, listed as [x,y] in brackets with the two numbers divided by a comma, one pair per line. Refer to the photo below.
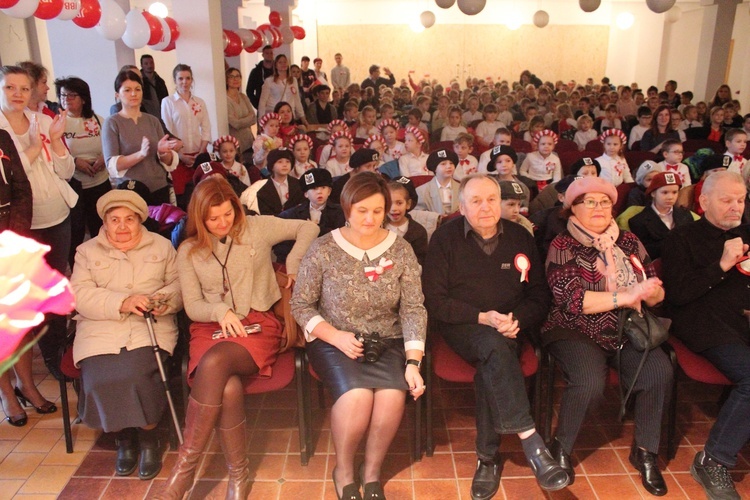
[373,346]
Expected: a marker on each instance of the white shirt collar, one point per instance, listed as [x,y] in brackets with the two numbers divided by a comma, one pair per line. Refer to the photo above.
[359,254]
[671,210]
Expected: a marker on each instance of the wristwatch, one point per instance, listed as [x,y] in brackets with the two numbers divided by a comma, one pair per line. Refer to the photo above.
[415,362]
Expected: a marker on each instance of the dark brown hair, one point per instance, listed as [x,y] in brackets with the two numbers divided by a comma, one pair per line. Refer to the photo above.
[362,186]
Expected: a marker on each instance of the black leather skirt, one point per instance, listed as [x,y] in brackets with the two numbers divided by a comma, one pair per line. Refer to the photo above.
[340,374]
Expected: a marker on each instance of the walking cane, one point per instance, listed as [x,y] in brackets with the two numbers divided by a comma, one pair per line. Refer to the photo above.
[150,323]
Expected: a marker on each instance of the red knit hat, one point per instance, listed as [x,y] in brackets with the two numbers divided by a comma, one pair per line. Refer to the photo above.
[663,179]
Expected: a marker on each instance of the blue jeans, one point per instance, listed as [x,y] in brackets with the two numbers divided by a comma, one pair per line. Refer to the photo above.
[502,402]
[732,428]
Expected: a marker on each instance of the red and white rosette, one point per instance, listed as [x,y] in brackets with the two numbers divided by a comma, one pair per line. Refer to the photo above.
[373,272]
[523,264]
[638,265]
[743,265]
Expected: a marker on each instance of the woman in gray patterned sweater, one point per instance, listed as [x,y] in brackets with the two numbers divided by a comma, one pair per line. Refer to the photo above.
[353,283]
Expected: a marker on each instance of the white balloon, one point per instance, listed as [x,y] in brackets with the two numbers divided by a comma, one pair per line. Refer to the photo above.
[112,23]
[23,9]
[137,31]
[246,37]
[70,10]
[427,18]
[589,5]
[166,36]
[445,4]
[471,7]
[541,19]
[674,14]
[287,35]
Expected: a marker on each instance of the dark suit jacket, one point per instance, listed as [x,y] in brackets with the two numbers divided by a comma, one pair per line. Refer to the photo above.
[651,230]
[255,82]
[331,218]
[269,202]
[159,85]
[416,236]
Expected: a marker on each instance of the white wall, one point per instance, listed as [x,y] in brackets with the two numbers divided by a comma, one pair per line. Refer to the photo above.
[739,75]
[681,40]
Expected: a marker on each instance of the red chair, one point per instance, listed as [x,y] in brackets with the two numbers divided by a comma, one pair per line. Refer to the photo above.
[622,196]
[441,145]
[418,180]
[449,366]
[520,146]
[693,145]
[697,368]
[568,158]
[565,145]
[595,147]
[636,158]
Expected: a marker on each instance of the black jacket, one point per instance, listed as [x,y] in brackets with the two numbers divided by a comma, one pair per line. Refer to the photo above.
[15,190]
[159,85]
[255,82]
[331,218]
[416,236]
[268,198]
[651,230]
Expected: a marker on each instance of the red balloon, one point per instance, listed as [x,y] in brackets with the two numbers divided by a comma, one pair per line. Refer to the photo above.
[274,18]
[174,31]
[299,32]
[7,4]
[154,27]
[89,15]
[234,48]
[278,40]
[257,43]
[48,9]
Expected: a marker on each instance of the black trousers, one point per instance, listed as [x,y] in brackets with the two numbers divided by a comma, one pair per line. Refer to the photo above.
[585,366]
[502,403]
[84,216]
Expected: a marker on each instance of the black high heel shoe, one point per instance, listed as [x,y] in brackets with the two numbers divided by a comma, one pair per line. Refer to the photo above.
[16,420]
[47,407]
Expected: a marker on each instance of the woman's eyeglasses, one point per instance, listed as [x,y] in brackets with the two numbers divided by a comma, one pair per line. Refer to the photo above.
[69,96]
[592,204]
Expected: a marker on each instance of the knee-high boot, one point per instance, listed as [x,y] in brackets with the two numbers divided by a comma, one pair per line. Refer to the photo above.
[199,422]
[235,452]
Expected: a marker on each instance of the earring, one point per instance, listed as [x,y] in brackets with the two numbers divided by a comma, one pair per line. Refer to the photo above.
[347,224]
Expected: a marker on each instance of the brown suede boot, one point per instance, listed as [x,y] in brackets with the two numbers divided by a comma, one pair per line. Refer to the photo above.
[235,452]
[199,422]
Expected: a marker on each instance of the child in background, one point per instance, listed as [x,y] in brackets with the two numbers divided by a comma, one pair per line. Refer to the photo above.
[731,119]
[366,125]
[227,146]
[610,118]
[376,142]
[472,113]
[566,125]
[601,110]
[440,116]
[502,137]
[529,113]
[584,108]
[463,145]
[643,176]
[502,165]
[541,165]
[400,222]
[280,192]
[414,117]
[351,113]
[504,116]
[440,195]
[746,124]
[485,131]
[387,111]
[536,125]
[327,152]
[393,147]
[691,117]
[268,140]
[614,167]
[511,194]
[454,127]
[342,145]
[423,105]
[686,99]
[585,133]
[414,160]
[301,146]
[735,141]
[673,153]
[645,114]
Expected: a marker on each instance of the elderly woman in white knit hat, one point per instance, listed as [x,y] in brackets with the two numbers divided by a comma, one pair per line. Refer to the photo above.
[118,274]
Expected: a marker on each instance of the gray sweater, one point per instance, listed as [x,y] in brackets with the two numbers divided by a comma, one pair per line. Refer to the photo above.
[122,136]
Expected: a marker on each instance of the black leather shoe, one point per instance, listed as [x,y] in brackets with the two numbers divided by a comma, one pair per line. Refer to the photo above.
[645,462]
[127,452]
[149,462]
[549,474]
[486,480]
[562,459]
[714,477]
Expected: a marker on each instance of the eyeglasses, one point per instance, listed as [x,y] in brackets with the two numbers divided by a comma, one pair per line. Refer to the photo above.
[235,76]
[69,96]
[592,204]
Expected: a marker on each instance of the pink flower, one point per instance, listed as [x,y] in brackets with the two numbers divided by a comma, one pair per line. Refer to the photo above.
[29,288]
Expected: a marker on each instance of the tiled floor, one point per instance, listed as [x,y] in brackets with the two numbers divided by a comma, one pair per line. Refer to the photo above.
[33,462]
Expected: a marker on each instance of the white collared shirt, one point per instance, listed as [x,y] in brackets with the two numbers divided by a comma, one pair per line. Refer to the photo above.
[667,218]
[282,188]
[188,120]
[316,213]
[399,230]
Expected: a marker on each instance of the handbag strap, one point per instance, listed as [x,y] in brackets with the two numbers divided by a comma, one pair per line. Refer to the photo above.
[625,396]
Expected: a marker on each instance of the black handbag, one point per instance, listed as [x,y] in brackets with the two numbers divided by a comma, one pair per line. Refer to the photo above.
[645,331]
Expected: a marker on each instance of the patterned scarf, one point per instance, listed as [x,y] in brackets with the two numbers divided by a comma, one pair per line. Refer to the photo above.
[611,262]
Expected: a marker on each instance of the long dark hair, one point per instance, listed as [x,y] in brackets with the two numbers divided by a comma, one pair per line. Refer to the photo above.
[80,87]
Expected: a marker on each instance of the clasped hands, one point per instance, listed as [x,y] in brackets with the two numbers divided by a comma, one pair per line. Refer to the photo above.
[503,323]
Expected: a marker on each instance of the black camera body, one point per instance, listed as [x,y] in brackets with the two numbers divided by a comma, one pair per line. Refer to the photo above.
[373,347]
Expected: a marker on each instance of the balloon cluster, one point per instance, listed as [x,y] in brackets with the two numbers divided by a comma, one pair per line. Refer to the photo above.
[136,29]
[275,33]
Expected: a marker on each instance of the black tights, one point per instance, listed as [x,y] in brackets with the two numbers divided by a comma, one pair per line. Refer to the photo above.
[218,381]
